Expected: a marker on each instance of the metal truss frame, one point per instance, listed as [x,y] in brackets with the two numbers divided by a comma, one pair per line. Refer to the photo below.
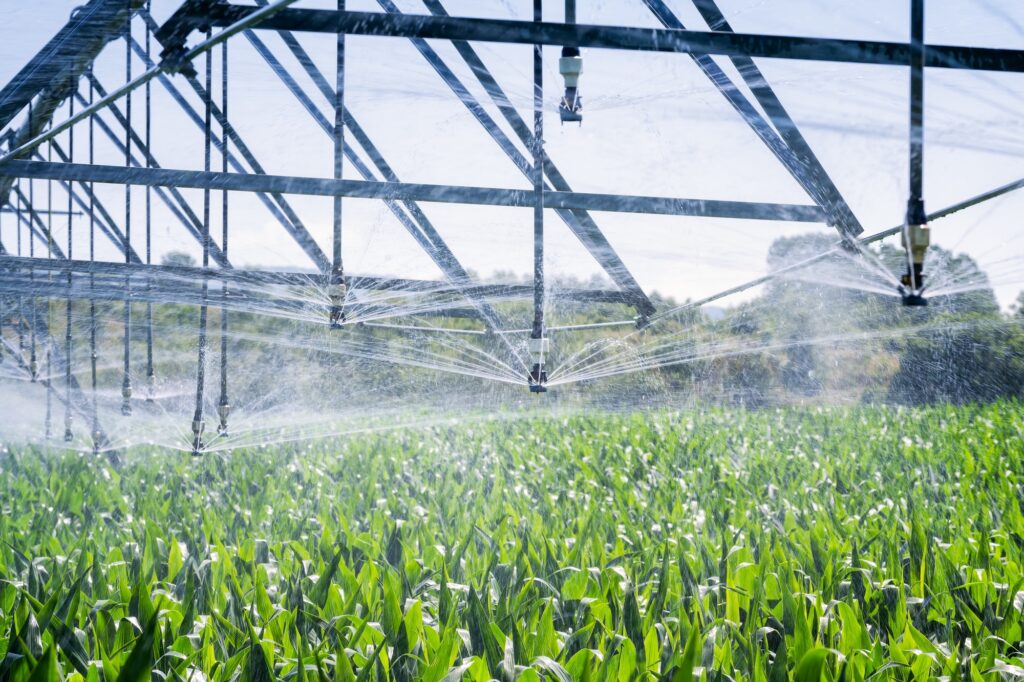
[55,75]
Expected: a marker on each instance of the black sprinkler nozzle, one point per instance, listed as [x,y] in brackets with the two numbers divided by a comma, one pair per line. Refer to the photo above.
[912,287]
[223,411]
[538,379]
[126,395]
[337,317]
[914,300]
[570,109]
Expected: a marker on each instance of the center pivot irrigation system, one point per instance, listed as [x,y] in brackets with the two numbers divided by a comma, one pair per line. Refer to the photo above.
[35,147]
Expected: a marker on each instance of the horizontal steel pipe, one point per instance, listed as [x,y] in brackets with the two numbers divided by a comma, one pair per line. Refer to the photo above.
[622,38]
[483,196]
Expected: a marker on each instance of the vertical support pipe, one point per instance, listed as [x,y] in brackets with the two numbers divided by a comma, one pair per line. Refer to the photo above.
[915,207]
[150,373]
[33,364]
[538,344]
[33,361]
[336,287]
[916,235]
[198,424]
[48,423]
[224,405]
[21,300]
[68,434]
[126,384]
[97,434]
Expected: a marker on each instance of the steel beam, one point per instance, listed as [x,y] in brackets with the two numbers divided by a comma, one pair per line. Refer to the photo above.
[483,196]
[619,38]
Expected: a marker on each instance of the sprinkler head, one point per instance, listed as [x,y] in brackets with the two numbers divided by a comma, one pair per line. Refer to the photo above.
[99,439]
[336,293]
[916,238]
[914,300]
[538,377]
[126,394]
[33,368]
[198,425]
[570,109]
[150,386]
[68,435]
[223,410]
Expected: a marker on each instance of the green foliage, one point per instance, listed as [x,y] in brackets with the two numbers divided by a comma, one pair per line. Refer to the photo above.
[806,545]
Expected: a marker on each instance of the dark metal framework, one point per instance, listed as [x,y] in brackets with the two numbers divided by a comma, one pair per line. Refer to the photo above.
[57,74]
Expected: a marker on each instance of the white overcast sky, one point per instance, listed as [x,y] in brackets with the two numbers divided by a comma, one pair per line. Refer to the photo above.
[653,125]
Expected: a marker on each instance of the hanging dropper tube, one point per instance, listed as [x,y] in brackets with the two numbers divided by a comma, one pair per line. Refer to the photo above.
[538,344]
[916,235]
[336,289]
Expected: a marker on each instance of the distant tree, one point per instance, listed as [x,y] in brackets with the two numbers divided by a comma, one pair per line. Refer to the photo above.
[1018,306]
[178,258]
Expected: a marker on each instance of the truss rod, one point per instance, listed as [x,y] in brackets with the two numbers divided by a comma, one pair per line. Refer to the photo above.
[275,203]
[418,225]
[581,225]
[37,227]
[218,142]
[788,145]
[108,225]
[172,198]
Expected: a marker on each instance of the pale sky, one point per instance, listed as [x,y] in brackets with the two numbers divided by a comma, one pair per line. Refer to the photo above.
[653,125]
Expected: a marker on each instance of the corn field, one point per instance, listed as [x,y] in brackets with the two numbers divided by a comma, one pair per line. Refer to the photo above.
[801,543]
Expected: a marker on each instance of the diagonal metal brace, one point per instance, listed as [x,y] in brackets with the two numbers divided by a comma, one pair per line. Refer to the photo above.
[791,149]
